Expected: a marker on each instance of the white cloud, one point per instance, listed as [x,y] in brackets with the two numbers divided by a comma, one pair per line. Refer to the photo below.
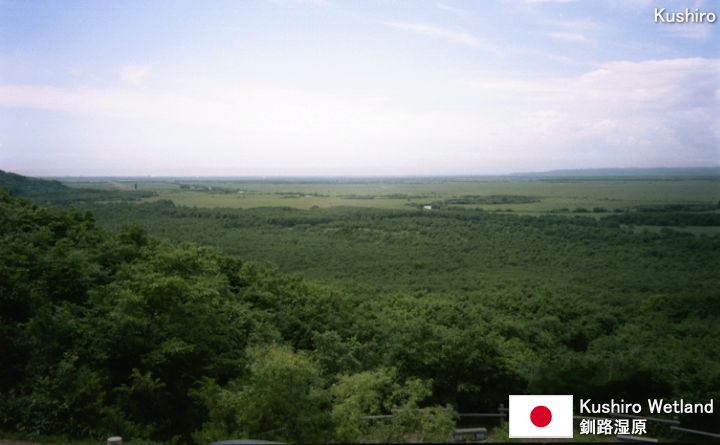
[657,109]
[308,2]
[575,37]
[454,10]
[460,37]
[134,75]
[549,1]
[656,112]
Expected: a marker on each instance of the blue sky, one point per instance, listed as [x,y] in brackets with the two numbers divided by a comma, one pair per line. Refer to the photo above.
[375,87]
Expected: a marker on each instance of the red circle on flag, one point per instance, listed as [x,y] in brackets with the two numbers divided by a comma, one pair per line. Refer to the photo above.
[540,416]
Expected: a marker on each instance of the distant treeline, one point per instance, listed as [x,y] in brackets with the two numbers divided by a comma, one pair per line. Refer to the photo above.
[492,199]
[670,215]
[690,215]
[56,193]
[676,219]
[477,200]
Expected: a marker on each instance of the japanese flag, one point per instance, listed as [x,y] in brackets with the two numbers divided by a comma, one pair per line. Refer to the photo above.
[541,416]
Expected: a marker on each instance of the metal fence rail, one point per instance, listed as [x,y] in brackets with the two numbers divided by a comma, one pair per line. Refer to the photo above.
[700,433]
[502,414]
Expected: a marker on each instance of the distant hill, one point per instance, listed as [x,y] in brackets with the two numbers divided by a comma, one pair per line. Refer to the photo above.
[595,172]
[24,186]
[58,193]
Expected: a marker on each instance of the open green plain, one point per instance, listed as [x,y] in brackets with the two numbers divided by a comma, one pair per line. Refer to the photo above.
[555,194]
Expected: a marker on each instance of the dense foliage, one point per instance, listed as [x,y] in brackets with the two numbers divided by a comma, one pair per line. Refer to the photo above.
[123,334]
[119,332]
[489,303]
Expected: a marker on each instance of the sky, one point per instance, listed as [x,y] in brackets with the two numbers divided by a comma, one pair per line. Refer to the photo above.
[363,87]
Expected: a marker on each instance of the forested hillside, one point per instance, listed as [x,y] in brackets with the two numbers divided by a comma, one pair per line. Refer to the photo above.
[503,303]
[56,193]
[115,331]
[124,334]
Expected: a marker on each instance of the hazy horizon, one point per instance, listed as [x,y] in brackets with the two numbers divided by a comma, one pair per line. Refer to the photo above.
[586,172]
[333,88]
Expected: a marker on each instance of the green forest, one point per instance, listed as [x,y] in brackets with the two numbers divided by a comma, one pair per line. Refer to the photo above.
[124,314]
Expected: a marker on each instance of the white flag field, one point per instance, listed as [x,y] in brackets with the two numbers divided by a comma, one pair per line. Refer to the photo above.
[541,416]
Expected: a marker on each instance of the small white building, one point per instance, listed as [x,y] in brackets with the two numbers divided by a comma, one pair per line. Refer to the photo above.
[428,207]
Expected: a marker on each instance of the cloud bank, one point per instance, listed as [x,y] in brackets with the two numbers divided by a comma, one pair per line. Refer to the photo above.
[646,113]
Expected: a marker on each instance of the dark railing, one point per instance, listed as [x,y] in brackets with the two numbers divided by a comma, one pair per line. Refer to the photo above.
[474,434]
[699,433]
[502,414]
